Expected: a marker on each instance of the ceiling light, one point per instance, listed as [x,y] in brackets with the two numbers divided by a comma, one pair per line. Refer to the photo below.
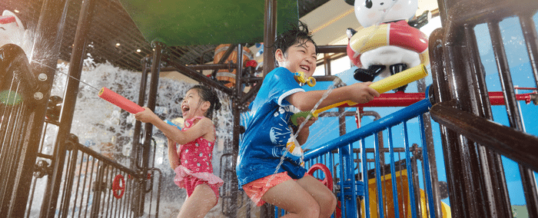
[118,44]
[16,11]
[138,50]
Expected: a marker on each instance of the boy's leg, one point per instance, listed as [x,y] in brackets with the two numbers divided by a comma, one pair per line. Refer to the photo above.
[324,197]
[290,196]
[199,203]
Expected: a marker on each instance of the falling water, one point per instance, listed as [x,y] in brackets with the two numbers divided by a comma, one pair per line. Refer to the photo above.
[98,123]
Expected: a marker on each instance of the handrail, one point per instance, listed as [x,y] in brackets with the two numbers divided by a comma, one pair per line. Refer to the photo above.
[76,145]
[12,55]
[516,145]
[376,126]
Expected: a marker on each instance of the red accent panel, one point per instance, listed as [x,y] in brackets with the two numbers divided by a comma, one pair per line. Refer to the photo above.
[355,60]
[405,36]
[7,19]
[328,181]
[497,98]
[400,99]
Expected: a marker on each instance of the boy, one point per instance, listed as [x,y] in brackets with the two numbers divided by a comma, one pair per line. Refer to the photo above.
[268,130]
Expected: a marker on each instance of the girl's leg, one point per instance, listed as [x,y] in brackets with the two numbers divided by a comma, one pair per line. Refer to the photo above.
[199,203]
[290,196]
[324,197]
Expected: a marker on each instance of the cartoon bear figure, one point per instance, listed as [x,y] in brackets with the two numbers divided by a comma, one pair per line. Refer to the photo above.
[387,44]
[12,30]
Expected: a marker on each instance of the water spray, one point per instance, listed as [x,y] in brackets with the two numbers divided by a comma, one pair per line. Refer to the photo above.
[107,95]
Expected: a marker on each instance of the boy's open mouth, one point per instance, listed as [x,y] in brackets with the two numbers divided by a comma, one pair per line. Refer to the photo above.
[304,67]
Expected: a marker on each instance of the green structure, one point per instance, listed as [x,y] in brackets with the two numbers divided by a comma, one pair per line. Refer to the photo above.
[184,22]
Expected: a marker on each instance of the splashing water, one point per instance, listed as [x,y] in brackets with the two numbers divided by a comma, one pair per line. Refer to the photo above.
[99,124]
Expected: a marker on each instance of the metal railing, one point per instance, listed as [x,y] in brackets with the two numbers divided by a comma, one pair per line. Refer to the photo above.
[473,161]
[17,108]
[95,186]
[353,183]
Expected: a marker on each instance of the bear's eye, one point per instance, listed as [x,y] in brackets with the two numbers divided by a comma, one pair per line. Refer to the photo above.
[368,4]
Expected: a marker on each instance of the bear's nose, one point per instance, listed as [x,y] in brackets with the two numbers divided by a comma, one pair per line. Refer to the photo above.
[381,3]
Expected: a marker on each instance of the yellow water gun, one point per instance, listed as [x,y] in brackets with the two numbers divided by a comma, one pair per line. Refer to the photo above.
[381,86]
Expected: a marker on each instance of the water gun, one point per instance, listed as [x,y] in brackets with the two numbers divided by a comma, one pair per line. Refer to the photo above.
[173,124]
[120,101]
[381,86]
[301,78]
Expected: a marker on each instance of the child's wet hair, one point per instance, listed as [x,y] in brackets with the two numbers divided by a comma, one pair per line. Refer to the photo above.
[297,33]
[207,94]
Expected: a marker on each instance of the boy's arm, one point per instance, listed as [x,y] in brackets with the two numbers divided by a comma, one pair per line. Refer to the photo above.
[358,92]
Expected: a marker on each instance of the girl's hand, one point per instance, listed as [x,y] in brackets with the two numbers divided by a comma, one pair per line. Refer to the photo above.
[146,116]
[362,93]
[309,123]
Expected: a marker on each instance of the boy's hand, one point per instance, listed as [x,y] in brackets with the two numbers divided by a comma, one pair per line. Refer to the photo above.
[362,93]
[146,116]
[309,123]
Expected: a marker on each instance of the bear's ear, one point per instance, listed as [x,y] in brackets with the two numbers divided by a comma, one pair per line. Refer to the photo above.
[350,2]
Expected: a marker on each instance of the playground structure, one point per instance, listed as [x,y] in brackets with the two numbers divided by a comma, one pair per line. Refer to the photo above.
[469,140]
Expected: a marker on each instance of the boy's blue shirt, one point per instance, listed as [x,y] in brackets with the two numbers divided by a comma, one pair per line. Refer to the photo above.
[267,130]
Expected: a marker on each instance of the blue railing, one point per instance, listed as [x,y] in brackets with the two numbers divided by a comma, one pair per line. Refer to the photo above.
[350,189]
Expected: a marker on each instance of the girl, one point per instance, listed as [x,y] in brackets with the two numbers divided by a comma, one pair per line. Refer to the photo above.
[192,161]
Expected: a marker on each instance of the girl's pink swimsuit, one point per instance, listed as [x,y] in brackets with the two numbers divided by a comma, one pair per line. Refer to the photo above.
[195,164]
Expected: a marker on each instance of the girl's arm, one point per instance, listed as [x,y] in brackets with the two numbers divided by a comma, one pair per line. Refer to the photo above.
[201,128]
[173,157]
[358,92]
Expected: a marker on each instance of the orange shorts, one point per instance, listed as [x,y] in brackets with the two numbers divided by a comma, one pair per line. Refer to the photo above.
[257,188]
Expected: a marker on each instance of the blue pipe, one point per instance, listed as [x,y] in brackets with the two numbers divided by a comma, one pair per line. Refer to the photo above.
[349,180]
[393,177]
[397,117]
[342,192]
[380,202]
[409,173]
[365,178]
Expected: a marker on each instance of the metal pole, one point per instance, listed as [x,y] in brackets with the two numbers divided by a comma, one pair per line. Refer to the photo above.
[492,167]
[269,35]
[148,128]
[452,160]
[50,28]
[138,125]
[514,117]
[68,110]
